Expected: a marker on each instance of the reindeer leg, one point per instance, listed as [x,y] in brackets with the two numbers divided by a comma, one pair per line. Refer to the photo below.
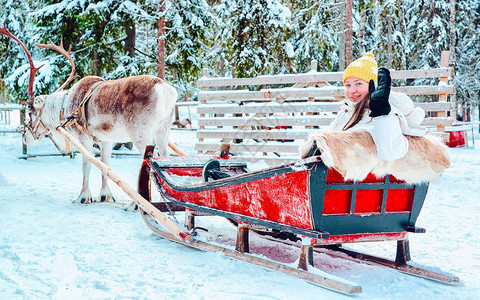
[140,139]
[161,140]
[105,193]
[85,196]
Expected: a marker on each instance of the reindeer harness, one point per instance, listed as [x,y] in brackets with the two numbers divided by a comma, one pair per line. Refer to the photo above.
[72,119]
[80,112]
[33,129]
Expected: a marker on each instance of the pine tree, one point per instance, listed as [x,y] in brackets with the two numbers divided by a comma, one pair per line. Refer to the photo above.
[86,26]
[467,62]
[384,32]
[14,66]
[314,34]
[187,42]
[252,36]
[100,33]
[428,32]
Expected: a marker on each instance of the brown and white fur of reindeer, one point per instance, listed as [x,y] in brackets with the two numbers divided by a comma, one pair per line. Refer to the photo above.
[138,109]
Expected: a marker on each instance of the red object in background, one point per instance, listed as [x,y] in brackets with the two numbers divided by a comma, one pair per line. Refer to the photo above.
[457,139]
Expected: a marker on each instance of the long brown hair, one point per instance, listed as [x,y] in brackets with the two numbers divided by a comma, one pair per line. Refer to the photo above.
[358,113]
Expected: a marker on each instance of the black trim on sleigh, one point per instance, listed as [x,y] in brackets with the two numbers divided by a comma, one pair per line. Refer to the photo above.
[160,170]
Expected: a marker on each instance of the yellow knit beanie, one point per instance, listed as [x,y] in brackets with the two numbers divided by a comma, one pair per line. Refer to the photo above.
[364,68]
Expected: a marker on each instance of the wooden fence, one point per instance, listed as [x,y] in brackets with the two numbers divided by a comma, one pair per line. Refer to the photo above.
[268,117]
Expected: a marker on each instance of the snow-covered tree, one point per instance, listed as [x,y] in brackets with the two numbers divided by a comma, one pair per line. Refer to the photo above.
[428,32]
[467,62]
[92,28]
[14,66]
[187,42]
[103,36]
[314,34]
[252,36]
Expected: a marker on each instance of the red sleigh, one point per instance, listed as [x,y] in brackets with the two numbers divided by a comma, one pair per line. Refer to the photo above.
[302,200]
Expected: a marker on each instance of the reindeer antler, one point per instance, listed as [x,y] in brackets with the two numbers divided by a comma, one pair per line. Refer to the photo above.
[33,70]
[60,49]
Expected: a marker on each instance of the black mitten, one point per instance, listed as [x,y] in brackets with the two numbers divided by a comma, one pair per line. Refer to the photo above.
[379,105]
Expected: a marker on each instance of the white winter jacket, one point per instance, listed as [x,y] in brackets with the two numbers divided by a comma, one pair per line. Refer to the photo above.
[387,131]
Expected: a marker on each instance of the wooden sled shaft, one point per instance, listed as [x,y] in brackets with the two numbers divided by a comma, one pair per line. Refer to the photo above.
[170,225]
[176,149]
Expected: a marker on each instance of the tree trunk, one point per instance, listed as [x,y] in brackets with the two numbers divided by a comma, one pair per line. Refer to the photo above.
[98,31]
[401,25]
[67,35]
[96,63]
[221,66]
[161,39]
[361,32]
[453,97]
[452,30]
[389,42]
[349,34]
[131,36]
[341,54]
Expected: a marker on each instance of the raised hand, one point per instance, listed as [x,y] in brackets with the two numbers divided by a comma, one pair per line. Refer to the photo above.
[379,105]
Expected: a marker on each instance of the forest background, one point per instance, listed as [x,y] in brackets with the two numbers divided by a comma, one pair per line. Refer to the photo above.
[239,38]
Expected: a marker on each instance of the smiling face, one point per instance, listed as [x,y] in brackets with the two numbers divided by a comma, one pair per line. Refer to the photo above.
[356,89]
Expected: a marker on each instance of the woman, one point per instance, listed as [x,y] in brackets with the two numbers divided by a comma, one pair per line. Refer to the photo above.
[368,108]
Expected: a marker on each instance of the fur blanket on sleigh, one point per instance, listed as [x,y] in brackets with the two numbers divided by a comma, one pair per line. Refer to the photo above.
[353,155]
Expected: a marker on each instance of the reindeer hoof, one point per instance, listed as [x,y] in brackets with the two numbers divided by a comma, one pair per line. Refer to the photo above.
[132,207]
[86,201]
[83,200]
[105,198]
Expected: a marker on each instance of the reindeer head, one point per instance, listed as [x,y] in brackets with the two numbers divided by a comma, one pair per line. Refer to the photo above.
[35,130]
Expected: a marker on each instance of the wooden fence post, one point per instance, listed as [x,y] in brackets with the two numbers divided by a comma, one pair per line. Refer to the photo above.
[444,63]
[22,123]
[204,74]
[313,68]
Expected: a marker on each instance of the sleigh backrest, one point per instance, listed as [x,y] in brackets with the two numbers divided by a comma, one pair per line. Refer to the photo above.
[373,205]
[268,117]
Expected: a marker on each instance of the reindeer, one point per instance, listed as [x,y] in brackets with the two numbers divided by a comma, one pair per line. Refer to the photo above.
[138,109]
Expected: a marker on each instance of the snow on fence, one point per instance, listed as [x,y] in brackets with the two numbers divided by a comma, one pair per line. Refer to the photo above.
[268,117]
[6,121]
[10,116]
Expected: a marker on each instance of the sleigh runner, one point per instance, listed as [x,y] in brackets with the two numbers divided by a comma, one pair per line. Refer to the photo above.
[303,201]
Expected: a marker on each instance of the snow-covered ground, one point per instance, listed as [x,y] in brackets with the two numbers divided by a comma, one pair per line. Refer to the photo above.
[51,248]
